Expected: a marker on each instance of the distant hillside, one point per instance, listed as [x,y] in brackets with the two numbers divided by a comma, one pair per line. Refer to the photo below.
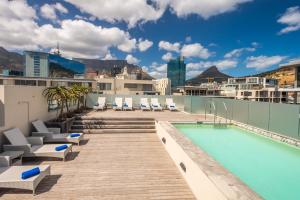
[212,74]
[105,66]
[11,60]
[284,75]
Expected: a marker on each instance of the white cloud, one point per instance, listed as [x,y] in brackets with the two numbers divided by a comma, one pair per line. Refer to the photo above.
[109,56]
[220,64]
[50,11]
[128,46]
[237,52]
[157,70]
[131,59]
[168,56]
[204,8]
[144,45]
[129,11]
[262,62]
[17,25]
[93,42]
[291,18]
[195,50]
[169,46]
[140,11]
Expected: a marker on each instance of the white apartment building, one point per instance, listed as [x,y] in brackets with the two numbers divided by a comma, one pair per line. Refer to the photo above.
[127,84]
[163,86]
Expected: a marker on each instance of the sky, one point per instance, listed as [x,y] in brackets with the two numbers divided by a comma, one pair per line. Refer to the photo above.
[240,37]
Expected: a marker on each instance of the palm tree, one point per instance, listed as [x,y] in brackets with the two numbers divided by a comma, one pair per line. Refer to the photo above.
[59,94]
[80,93]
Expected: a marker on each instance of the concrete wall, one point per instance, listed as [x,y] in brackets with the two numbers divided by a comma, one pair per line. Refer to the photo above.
[22,105]
[200,184]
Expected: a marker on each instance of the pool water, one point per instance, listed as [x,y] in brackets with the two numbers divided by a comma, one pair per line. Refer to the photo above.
[268,167]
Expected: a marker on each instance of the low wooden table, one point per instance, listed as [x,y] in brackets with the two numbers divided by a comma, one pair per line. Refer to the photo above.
[9,158]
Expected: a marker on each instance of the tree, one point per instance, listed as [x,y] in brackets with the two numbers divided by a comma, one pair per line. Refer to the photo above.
[59,94]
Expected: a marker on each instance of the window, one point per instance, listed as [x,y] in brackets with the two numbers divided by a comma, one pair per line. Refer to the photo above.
[246,93]
[130,85]
[36,65]
[42,83]
[147,87]
[1,82]
[25,82]
[104,86]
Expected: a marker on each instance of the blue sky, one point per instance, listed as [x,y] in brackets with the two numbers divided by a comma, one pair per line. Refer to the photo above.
[241,37]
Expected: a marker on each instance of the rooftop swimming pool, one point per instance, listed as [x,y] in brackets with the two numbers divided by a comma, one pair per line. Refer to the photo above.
[268,167]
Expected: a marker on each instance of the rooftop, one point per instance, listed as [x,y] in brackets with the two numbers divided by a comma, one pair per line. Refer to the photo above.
[114,166]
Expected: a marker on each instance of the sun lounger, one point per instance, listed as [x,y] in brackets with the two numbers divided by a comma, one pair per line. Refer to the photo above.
[144,104]
[53,135]
[155,105]
[33,146]
[101,104]
[11,177]
[127,104]
[118,104]
[170,104]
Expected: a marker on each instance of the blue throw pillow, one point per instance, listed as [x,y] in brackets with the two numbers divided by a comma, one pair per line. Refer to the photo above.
[30,173]
[74,135]
[61,147]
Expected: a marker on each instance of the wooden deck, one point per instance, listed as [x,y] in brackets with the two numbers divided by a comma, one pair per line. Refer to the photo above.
[111,166]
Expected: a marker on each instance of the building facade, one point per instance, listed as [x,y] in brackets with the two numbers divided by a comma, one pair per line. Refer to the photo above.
[163,86]
[176,72]
[46,82]
[40,64]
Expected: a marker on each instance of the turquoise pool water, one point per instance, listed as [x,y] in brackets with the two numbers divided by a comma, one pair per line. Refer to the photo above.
[270,168]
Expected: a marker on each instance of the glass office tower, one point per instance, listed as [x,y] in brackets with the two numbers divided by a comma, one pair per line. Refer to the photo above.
[176,72]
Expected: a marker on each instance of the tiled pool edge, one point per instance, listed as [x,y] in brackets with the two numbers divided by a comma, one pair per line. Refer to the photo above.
[269,134]
[205,176]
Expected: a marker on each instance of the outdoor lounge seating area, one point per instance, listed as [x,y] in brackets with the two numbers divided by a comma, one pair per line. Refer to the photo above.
[28,177]
[127,105]
[109,166]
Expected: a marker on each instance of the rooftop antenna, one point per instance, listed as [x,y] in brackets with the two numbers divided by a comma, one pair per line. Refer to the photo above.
[57,52]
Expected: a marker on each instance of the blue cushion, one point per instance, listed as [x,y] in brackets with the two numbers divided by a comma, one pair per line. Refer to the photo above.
[172,106]
[61,147]
[125,105]
[114,105]
[155,106]
[142,105]
[30,173]
[74,135]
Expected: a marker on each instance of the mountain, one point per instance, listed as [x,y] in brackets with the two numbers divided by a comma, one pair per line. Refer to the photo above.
[106,66]
[11,60]
[15,61]
[210,74]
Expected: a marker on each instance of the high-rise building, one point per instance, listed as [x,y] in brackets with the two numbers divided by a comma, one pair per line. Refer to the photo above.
[40,64]
[176,72]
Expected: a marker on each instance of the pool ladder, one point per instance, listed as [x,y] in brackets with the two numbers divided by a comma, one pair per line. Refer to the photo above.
[212,105]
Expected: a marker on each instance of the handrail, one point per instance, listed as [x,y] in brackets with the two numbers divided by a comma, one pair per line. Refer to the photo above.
[226,109]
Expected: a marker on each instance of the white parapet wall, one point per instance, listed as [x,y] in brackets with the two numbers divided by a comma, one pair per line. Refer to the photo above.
[197,180]
[20,105]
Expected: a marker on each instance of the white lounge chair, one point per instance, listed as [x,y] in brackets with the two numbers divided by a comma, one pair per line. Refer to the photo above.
[118,104]
[144,104]
[10,177]
[127,104]
[53,135]
[155,105]
[33,146]
[170,104]
[101,104]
